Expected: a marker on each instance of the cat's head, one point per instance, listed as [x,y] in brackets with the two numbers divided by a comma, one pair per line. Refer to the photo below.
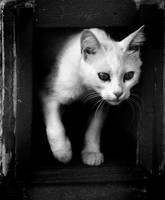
[111,68]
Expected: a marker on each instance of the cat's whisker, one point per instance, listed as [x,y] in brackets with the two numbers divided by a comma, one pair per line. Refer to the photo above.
[94,99]
[98,108]
[90,96]
[137,104]
[101,104]
[104,102]
[91,93]
[97,102]
[138,99]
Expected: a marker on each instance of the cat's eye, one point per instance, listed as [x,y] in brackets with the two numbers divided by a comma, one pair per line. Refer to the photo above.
[104,76]
[128,76]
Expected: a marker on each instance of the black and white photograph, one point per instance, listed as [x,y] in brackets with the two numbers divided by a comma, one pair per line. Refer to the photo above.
[82,100]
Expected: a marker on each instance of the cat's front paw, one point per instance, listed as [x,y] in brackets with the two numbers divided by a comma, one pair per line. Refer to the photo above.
[92,158]
[63,155]
[62,152]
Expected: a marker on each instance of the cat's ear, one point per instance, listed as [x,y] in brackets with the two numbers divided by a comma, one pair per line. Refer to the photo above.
[134,40]
[89,44]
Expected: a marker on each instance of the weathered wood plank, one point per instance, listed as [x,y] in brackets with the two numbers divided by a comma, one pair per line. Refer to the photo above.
[24,87]
[8,72]
[84,13]
[163,162]
[8,81]
[109,172]
[151,131]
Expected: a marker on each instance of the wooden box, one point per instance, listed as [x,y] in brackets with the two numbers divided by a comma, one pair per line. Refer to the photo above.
[29,33]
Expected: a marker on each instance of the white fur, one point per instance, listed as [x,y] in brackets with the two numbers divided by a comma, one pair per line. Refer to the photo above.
[75,75]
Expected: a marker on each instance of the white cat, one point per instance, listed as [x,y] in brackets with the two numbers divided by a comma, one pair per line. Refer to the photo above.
[90,62]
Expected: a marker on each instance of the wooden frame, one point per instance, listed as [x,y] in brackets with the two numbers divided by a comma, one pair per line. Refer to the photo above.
[8,88]
[150,127]
[13,83]
[16,74]
[151,144]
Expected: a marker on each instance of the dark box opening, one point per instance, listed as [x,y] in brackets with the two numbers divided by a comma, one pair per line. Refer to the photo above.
[119,135]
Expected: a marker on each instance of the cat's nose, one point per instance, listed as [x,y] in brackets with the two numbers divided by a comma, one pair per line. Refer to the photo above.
[118,94]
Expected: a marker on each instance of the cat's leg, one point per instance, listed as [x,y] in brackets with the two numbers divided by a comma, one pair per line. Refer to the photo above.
[91,154]
[59,143]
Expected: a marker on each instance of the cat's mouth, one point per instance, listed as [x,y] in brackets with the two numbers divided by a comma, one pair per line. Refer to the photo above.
[114,103]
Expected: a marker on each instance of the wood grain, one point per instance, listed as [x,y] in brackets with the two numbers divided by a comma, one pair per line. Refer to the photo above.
[84,13]
[24,88]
